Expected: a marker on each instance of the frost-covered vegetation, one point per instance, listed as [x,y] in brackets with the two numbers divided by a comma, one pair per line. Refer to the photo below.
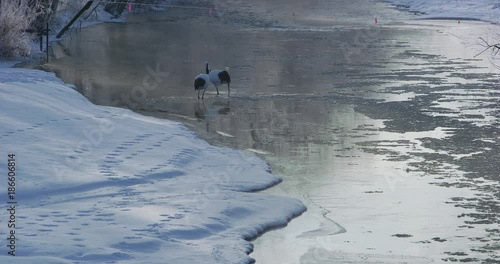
[20,20]
[16,17]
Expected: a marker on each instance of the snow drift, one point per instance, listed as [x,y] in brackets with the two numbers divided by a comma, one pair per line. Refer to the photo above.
[486,10]
[101,184]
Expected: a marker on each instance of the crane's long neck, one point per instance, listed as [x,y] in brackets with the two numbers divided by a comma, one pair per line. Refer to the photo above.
[206,66]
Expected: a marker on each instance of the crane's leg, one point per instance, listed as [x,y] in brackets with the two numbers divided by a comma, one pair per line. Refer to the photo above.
[228,90]
[199,93]
[202,96]
[217,88]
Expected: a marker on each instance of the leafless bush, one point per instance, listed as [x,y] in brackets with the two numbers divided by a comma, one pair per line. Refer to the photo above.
[16,16]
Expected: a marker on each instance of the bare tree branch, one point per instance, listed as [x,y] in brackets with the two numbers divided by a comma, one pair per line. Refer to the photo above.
[494,47]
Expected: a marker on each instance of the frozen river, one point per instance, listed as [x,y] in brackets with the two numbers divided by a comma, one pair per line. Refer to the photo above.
[385,127]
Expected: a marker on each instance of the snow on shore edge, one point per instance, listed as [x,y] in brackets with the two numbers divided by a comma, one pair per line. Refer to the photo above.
[485,10]
[100,184]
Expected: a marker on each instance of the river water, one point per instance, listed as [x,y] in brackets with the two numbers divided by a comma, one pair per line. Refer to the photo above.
[387,130]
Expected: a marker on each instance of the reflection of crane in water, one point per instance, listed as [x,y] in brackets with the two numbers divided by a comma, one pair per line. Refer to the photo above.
[215,109]
[224,108]
[199,110]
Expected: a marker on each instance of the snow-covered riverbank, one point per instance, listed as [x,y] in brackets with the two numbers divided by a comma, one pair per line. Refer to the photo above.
[486,10]
[103,184]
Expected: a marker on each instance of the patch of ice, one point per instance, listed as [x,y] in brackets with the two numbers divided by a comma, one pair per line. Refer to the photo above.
[258,151]
[223,134]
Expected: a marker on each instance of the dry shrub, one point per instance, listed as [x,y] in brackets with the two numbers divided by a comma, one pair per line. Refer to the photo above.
[16,16]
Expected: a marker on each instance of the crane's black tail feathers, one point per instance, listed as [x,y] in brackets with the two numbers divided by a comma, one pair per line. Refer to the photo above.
[224,77]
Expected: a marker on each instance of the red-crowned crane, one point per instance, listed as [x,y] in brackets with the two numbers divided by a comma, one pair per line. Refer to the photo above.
[218,77]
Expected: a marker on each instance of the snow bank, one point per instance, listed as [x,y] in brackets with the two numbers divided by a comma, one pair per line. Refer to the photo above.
[486,10]
[100,184]
[7,64]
